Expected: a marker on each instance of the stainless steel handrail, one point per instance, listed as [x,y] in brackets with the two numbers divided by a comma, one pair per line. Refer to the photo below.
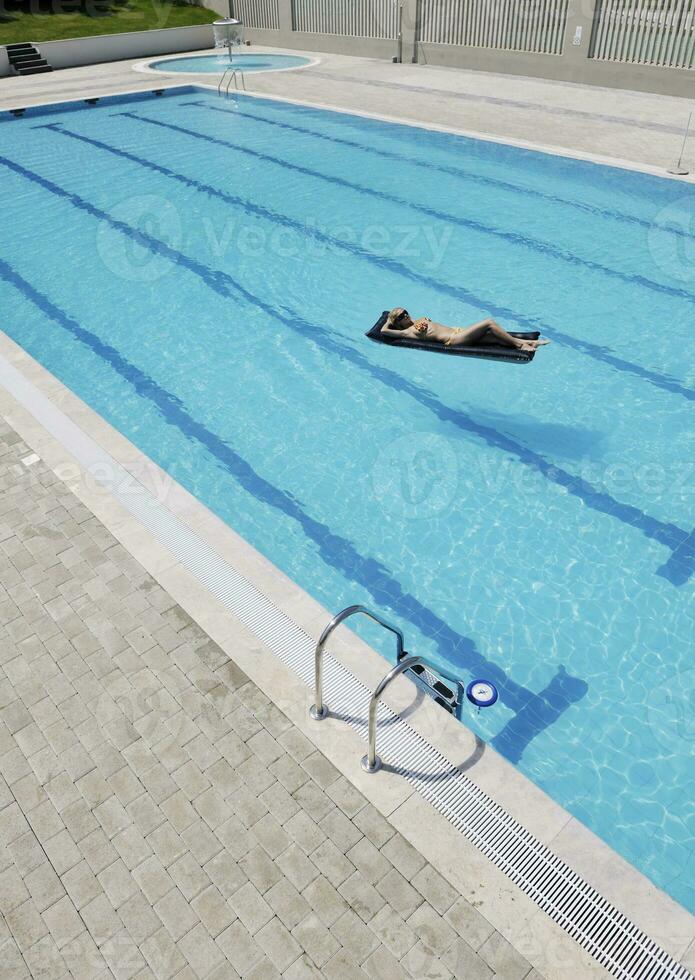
[371,762]
[318,710]
[221,81]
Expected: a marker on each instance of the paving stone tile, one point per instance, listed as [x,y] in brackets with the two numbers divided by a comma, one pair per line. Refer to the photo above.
[176,914]
[13,891]
[188,876]
[383,965]
[13,824]
[26,924]
[505,961]
[153,880]
[393,932]
[123,956]
[278,944]
[26,853]
[304,831]
[346,796]
[166,844]
[374,826]
[279,802]
[312,799]
[139,919]
[403,856]
[270,835]
[303,969]
[468,923]
[421,962]
[362,897]
[132,847]
[260,869]
[240,949]
[119,883]
[332,863]
[162,955]
[369,861]
[434,932]
[287,903]
[354,936]
[44,886]
[62,852]
[224,872]
[213,910]
[201,842]
[343,966]
[235,838]
[251,907]
[63,921]
[101,919]
[145,814]
[314,937]
[81,884]
[400,895]
[201,951]
[325,900]
[463,962]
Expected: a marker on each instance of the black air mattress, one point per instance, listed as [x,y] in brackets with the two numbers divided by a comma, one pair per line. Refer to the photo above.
[490,351]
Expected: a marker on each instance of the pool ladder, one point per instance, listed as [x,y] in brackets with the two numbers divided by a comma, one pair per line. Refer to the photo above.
[234,75]
[424,675]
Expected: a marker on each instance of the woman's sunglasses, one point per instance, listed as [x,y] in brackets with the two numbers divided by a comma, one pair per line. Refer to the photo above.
[402,315]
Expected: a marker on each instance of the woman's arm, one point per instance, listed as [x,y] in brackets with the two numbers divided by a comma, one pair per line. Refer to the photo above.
[389,332]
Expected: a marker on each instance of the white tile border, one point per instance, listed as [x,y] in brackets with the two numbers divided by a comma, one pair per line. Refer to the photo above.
[651,909]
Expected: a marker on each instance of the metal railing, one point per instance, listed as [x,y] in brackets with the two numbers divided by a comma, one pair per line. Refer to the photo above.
[234,75]
[353,18]
[645,33]
[536,26]
[319,710]
[371,761]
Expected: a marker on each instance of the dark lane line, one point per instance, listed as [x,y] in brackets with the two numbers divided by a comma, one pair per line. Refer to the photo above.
[458,172]
[676,570]
[603,354]
[515,238]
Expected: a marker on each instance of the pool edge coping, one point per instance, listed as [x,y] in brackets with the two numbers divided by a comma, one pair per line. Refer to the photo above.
[643,902]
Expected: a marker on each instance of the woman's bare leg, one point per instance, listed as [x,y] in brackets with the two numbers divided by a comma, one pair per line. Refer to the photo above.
[474,334]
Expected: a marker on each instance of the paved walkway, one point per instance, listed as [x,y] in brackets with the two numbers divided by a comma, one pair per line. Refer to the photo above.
[639,127]
[159,816]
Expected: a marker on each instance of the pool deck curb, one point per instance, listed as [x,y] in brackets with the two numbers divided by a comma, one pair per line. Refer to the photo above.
[547,946]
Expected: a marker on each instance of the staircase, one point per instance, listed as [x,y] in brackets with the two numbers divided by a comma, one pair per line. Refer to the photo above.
[26,60]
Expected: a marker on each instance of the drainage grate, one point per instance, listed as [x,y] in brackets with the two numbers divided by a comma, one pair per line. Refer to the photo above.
[615,942]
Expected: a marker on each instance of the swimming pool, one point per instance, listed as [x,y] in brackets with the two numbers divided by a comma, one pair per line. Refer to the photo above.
[201,272]
[217,63]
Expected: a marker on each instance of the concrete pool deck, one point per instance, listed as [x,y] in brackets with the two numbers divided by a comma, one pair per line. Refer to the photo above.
[540,944]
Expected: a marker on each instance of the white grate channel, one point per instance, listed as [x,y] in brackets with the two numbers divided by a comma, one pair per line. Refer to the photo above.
[615,942]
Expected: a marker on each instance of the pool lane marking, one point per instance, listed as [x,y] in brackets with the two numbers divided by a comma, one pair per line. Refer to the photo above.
[465,175]
[340,553]
[515,238]
[596,351]
[677,569]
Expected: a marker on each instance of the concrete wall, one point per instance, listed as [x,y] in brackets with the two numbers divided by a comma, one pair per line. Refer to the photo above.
[574,65]
[117,47]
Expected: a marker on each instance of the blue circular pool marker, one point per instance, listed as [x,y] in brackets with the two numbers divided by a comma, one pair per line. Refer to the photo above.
[482,693]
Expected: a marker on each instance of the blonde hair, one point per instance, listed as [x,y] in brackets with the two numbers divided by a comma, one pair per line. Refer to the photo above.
[394,314]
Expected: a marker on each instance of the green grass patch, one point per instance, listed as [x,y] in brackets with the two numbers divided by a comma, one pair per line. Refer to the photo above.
[85,18]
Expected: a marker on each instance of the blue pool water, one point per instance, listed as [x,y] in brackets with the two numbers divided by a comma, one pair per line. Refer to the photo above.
[217,63]
[201,272]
